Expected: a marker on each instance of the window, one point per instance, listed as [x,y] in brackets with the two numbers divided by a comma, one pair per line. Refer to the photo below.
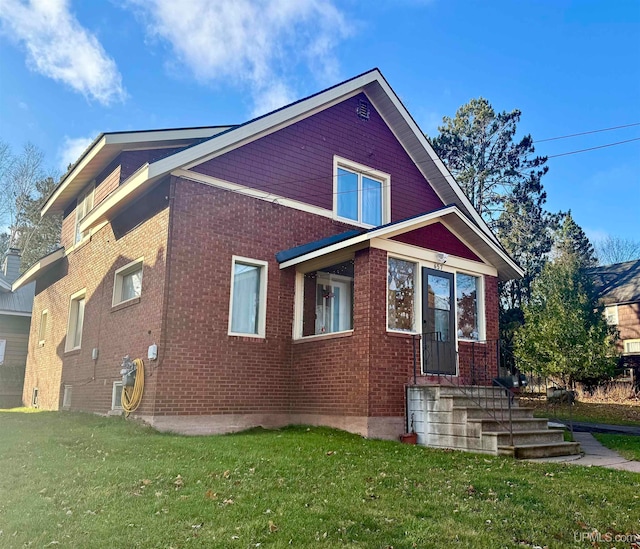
[247,310]
[34,397]
[611,314]
[3,346]
[401,284]
[85,205]
[327,304]
[116,396]
[66,397]
[632,346]
[467,304]
[76,319]
[42,332]
[361,194]
[128,282]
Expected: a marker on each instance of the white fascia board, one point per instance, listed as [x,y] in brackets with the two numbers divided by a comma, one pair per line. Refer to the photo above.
[387,231]
[32,272]
[435,158]
[262,126]
[97,147]
[136,183]
[14,313]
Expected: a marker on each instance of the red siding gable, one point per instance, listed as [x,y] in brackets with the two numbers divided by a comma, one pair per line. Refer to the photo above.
[437,237]
[297,161]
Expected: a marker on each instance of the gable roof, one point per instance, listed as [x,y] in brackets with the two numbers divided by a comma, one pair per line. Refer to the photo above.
[107,146]
[618,283]
[451,215]
[19,302]
[372,83]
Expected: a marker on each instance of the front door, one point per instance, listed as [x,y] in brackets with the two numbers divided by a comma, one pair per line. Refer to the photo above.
[438,316]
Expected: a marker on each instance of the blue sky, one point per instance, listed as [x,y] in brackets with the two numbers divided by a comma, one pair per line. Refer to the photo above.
[72,69]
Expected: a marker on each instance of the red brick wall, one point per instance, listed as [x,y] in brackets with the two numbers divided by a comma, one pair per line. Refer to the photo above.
[114,331]
[204,370]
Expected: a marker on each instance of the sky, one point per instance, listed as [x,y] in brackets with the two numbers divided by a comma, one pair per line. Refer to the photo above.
[70,69]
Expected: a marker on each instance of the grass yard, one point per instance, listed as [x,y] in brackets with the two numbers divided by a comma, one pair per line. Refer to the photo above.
[76,480]
[589,412]
[626,445]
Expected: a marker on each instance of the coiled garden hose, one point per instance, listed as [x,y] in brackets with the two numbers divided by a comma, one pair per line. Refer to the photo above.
[132,396]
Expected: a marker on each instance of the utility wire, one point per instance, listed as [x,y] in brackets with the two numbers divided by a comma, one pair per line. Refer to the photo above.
[586,133]
[594,148]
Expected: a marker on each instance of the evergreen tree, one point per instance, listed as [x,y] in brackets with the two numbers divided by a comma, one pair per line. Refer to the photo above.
[565,335]
[571,240]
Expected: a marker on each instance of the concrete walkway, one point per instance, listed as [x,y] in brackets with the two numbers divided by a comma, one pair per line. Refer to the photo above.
[594,454]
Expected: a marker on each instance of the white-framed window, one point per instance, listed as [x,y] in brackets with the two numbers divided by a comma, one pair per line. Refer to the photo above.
[632,346]
[42,330]
[248,302]
[127,283]
[401,294]
[83,207]
[468,306]
[3,348]
[76,320]
[611,314]
[361,195]
[325,300]
[116,396]
[66,397]
[34,397]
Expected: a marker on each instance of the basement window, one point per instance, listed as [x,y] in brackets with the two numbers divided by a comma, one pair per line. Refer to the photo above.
[116,396]
[34,398]
[66,397]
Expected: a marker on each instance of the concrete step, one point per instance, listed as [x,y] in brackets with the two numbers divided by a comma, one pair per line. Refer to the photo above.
[483,390]
[491,441]
[519,424]
[465,413]
[448,402]
[531,451]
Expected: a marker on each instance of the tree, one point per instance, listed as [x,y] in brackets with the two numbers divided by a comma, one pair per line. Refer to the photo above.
[571,240]
[615,249]
[565,335]
[23,191]
[478,147]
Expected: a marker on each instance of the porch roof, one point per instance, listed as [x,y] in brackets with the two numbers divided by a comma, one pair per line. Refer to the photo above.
[491,252]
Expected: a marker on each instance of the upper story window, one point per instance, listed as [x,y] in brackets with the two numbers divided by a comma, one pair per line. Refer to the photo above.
[361,194]
[128,282]
[84,206]
[611,314]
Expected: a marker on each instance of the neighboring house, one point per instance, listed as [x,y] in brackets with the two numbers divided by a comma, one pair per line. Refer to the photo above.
[283,268]
[618,287]
[15,318]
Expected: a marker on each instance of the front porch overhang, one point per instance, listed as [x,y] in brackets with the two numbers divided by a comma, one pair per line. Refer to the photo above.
[490,253]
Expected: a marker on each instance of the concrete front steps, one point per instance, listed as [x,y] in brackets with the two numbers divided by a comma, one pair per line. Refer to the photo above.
[476,419]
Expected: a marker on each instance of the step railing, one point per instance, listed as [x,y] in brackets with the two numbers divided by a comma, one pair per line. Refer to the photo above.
[442,361]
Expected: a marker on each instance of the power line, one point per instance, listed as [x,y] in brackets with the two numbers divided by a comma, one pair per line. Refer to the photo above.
[586,133]
[594,148]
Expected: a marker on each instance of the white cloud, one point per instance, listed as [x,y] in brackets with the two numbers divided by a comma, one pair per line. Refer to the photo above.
[256,44]
[72,148]
[60,48]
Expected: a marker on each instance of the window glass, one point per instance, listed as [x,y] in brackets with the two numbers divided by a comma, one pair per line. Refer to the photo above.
[467,303]
[42,333]
[246,298]
[401,294]
[132,285]
[79,319]
[84,206]
[371,201]
[347,194]
[328,300]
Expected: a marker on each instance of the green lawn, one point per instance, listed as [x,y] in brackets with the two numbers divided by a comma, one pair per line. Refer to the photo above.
[75,480]
[626,445]
[589,412]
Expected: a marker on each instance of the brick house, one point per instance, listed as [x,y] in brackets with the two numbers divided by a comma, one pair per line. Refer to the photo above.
[283,268]
[618,287]
[15,319]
